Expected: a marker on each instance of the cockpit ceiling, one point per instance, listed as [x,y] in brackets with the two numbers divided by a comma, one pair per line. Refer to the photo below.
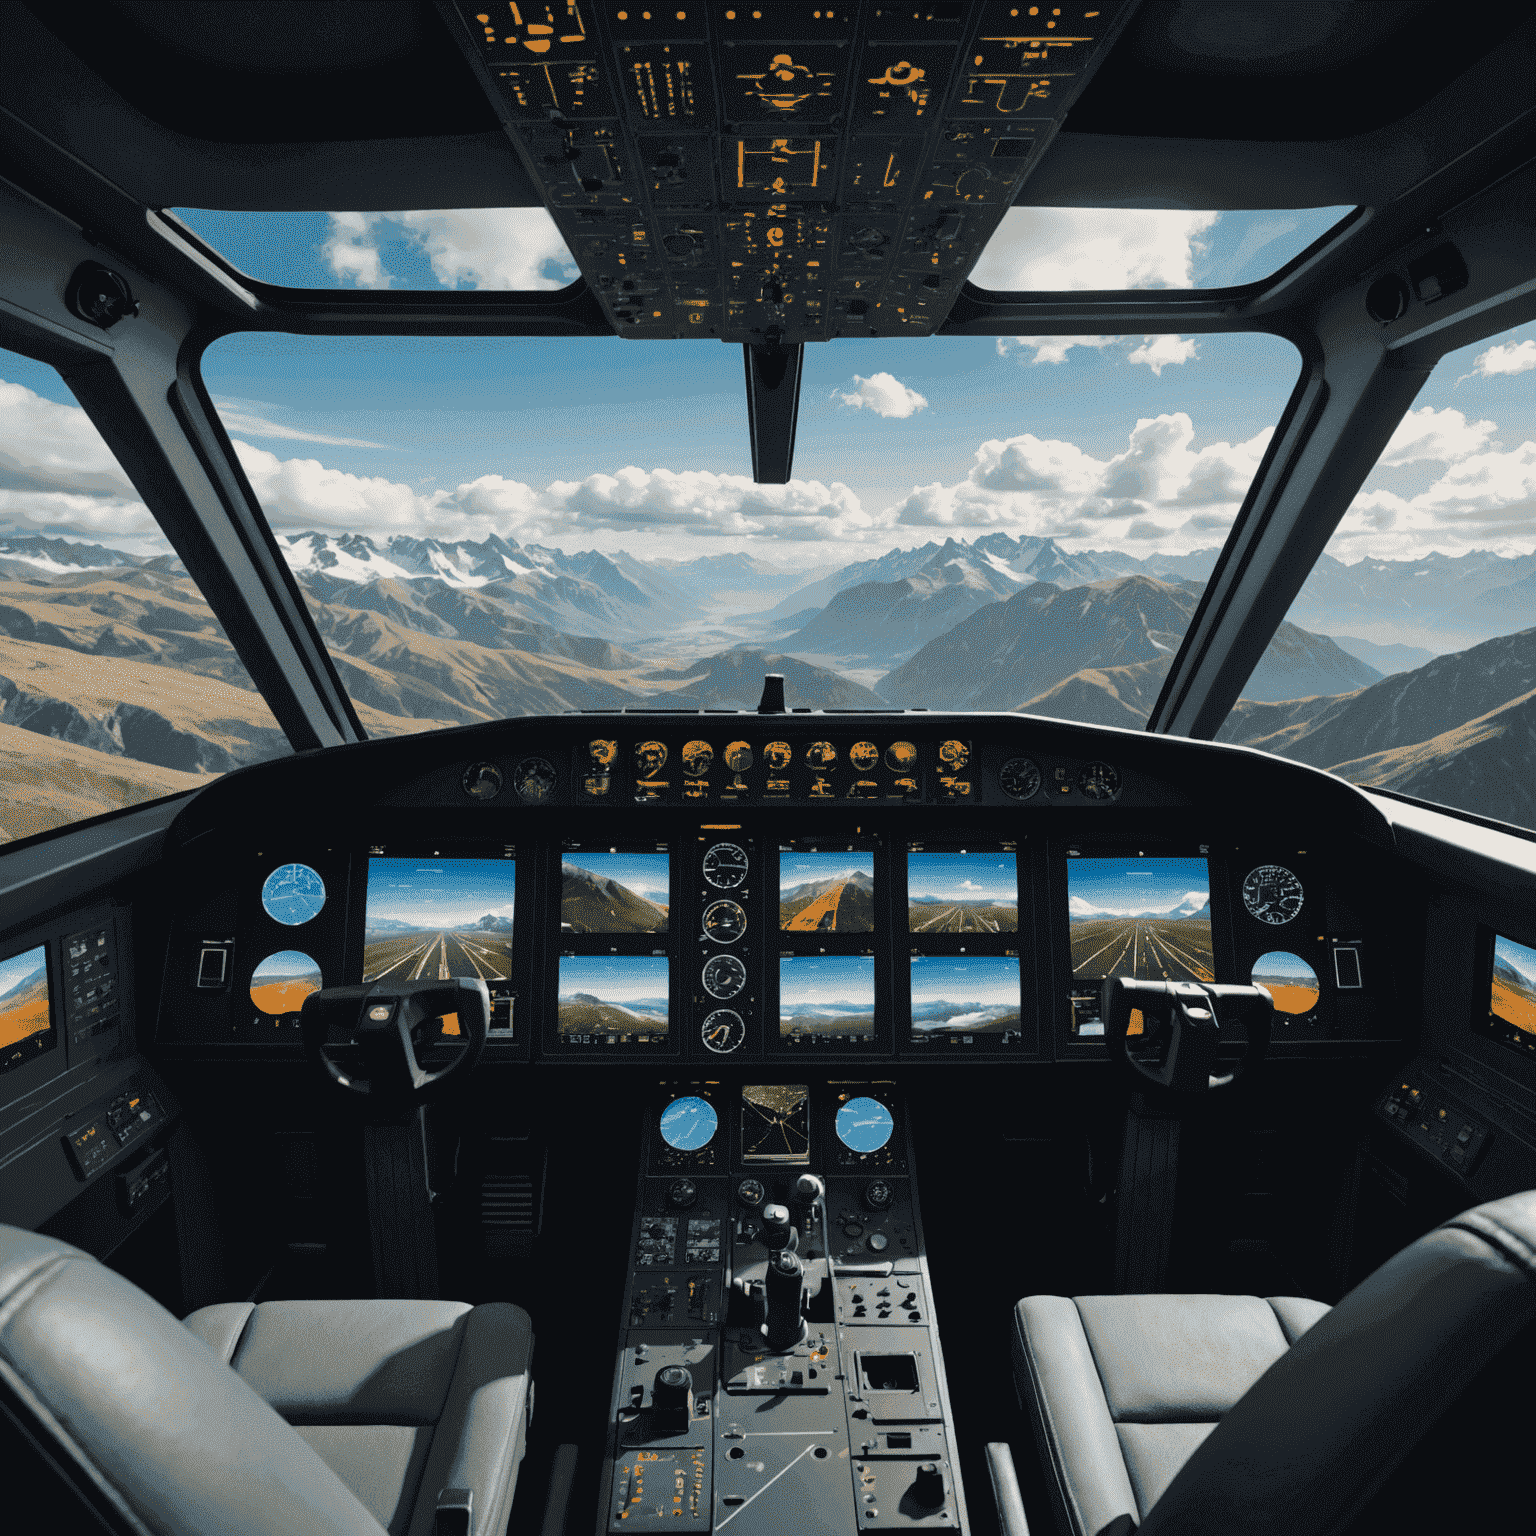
[773,173]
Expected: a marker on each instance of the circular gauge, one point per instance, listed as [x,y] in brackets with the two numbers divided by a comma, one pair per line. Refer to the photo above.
[864,1125]
[1020,778]
[650,759]
[292,894]
[689,1124]
[863,755]
[778,755]
[820,754]
[482,781]
[724,922]
[738,756]
[725,866]
[723,1031]
[1290,980]
[1273,895]
[534,779]
[901,757]
[602,754]
[282,981]
[724,976]
[1099,781]
[954,754]
[698,758]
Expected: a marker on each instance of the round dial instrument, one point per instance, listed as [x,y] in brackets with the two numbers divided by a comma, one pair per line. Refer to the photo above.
[293,894]
[534,779]
[723,1031]
[689,1124]
[1273,895]
[1099,781]
[724,922]
[725,866]
[1020,778]
[724,976]
[864,1125]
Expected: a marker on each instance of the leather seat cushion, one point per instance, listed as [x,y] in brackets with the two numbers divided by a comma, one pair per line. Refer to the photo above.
[1123,1389]
[399,1398]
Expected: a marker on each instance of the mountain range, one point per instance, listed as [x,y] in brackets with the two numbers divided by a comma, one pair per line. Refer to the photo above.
[117,683]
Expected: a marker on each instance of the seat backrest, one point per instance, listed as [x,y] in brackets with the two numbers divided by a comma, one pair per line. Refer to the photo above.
[1398,1400]
[159,1433]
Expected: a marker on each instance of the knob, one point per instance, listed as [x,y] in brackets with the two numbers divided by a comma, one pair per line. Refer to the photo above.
[672,1401]
[809,1189]
[751,1192]
[777,1230]
[928,1486]
[878,1194]
[877,1242]
[683,1193]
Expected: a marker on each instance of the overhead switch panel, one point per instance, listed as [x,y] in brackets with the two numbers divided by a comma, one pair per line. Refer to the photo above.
[782,173]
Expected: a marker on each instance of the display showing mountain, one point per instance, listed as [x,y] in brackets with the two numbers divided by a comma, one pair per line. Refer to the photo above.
[24,1007]
[831,1016]
[584,1013]
[594,903]
[733,679]
[841,903]
[1196,907]
[942,1016]
[1011,653]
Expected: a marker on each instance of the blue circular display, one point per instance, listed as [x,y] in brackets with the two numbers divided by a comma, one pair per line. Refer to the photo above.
[864,1125]
[293,894]
[689,1124]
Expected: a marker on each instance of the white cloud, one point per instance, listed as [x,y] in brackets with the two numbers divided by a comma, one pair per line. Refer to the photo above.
[1430,434]
[237,418]
[883,394]
[1159,491]
[1055,250]
[1507,357]
[496,248]
[1158,352]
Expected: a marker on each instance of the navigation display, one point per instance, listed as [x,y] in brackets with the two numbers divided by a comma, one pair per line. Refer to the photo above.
[429,919]
[776,1123]
[613,999]
[962,892]
[1138,916]
[614,892]
[1512,995]
[26,1019]
[956,997]
[824,998]
[826,892]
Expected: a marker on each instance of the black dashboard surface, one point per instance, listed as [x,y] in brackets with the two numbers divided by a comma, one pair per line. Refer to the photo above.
[720,888]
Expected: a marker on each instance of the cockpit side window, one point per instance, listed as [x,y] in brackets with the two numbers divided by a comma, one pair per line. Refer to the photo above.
[1428,589]
[117,684]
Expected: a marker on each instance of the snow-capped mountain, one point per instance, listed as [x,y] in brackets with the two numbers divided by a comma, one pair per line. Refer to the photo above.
[1191,904]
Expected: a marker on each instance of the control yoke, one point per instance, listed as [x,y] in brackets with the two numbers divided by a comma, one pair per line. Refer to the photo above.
[1183,1020]
[382,1019]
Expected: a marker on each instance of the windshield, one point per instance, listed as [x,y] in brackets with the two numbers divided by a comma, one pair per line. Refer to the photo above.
[492,527]
[1430,585]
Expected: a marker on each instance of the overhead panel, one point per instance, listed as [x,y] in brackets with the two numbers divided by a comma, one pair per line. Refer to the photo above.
[781,173]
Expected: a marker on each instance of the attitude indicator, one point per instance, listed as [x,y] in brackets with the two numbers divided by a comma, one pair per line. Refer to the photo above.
[1273,895]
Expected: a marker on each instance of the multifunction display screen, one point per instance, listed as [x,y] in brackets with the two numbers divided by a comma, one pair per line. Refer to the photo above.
[962,892]
[1511,1015]
[613,999]
[965,995]
[776,1123]
[26,1018]
[432,919]
[827,998]
[1138,916]
[614,892]
[826,891]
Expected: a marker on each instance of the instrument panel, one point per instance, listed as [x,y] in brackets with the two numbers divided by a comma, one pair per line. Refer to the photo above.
[864,896]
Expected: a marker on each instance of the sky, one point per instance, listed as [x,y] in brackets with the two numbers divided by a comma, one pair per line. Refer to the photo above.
[17,969]
[623,979]
[815,980]
[803,868]
[990,980]
[1284,966]
[646,873]
[963,876]
[439,893]
[1134,885]
[1140,443]
[286,963]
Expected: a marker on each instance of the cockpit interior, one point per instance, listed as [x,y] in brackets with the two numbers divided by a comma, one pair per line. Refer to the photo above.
[667,1002]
